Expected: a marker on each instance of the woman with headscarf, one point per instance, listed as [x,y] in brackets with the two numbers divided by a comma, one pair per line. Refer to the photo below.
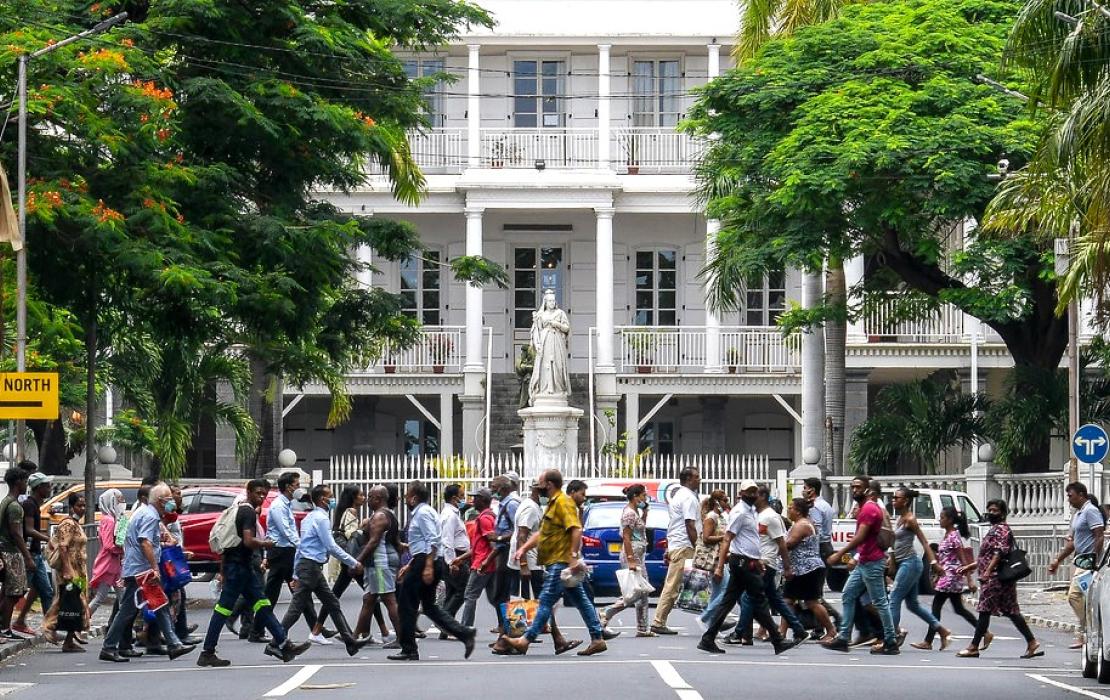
[109,560]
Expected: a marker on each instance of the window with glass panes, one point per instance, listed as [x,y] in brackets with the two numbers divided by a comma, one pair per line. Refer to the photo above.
[537,94]
[659,436]
[765,299]
[421,438]
[656,278]
[535,268]
[421,288]
[656,90]
[433,95]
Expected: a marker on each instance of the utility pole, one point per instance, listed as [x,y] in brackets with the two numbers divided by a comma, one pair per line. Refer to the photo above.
[1063,249]
[21,251]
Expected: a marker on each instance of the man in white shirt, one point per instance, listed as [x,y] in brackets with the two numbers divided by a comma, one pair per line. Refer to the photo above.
[454,543]
[683,530]
[526,579]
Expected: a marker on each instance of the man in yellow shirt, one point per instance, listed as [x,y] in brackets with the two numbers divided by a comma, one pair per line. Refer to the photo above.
[559,543]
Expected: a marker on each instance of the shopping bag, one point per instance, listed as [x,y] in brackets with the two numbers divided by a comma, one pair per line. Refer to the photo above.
[518,613]
[633,585]
[71,608]
[150,594]
[696,588]
[175,568]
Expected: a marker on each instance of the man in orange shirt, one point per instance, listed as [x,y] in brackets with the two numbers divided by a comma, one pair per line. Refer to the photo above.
[483,561]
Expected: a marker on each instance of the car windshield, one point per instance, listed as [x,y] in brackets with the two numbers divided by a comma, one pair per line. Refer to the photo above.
[607,516]
[130,494]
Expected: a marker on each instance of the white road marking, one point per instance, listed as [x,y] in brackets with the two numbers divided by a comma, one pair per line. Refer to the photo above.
[9,688]
[293,683]
[1064,686]
[670,676]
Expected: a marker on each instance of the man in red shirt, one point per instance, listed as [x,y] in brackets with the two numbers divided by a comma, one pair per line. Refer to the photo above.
[869,573]
[483,561]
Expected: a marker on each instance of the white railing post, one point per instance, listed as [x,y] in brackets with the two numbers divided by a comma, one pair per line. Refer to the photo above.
[473,107]
[603,106]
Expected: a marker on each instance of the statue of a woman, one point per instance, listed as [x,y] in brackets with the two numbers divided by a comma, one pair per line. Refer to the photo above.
[550,330]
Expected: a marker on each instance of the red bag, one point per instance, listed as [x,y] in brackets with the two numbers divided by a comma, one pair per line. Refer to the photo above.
[150,589]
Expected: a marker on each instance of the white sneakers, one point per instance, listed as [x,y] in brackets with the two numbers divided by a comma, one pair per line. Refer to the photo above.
[319,639]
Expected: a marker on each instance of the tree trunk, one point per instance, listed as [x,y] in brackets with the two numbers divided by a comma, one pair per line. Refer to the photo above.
[90,400]
[50,439]
[265,405]
[836,334]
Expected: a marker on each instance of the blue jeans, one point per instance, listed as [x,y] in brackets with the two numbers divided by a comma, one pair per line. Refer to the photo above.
[869,577]
[715,598]
[40,580]
[553,590]
[905,589]
[774,599]
[125,618]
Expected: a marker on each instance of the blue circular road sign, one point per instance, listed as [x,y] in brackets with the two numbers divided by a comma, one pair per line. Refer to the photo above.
[1090,444]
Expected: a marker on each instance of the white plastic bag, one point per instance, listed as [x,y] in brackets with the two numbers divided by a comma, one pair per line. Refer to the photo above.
[633,585]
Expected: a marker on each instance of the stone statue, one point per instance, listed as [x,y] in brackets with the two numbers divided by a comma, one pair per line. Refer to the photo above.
[524,367]
[550,331]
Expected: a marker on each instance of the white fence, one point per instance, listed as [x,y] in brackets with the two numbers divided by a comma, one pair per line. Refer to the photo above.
[439,150]
[1035,497]
[678,349]
[944,325]
[717,471]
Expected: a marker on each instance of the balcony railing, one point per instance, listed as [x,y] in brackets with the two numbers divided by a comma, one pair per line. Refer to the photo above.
[653,150]
[440,350]
[944,325]
[439,150]
[684,349]
[521,148]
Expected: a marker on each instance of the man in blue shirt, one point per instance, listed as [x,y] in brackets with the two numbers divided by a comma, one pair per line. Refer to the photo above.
[505,487]
[239,580]
[317,543]
[142,550]
[417,580]
[1087,527]
[282,529]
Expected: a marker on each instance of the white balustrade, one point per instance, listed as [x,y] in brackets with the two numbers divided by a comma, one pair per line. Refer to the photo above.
[1035,496]
[653,149]
[522,148]
[943,325]
[440,349]
[682,349]
[439,150]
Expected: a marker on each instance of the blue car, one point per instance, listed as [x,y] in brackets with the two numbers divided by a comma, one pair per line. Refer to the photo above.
[601,545]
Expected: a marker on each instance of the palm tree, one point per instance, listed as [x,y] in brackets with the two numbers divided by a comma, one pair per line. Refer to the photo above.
[763,20]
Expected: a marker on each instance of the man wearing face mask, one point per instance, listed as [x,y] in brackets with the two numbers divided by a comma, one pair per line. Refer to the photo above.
[172,535]
[869,574]
[740,552]
[141,551]
[317,543]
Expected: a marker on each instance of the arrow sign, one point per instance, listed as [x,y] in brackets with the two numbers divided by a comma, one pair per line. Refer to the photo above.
[1090,444]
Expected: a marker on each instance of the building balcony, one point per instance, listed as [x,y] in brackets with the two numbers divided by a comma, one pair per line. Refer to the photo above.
[632,150]
[440,350]
[702,349]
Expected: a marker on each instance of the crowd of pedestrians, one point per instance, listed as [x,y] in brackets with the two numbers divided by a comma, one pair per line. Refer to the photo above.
[502,545]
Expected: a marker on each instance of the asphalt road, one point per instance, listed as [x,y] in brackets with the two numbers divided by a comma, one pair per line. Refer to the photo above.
[662,668]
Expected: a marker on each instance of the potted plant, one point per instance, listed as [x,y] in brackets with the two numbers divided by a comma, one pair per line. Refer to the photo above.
[642,344]
[390,364]
[732,357]
[631,145]
[439,348]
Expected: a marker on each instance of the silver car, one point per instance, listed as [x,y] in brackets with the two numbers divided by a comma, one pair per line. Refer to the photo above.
[1096,648]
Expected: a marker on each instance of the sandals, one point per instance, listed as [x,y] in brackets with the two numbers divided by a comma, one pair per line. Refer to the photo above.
[567,647]
[1033,653]
[968,654]
[926,646]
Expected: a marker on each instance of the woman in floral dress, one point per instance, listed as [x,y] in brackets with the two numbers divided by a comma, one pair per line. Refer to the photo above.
[633,547]
[997,597]
[952,554]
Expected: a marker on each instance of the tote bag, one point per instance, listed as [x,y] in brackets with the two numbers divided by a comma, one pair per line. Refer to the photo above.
[633,586]
[696,588]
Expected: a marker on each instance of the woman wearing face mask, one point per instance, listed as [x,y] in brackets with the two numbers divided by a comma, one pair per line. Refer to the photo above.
[714,514]
[907,566]
[69,564]
[951,555]
[633,546]
[109,560]
[997,597]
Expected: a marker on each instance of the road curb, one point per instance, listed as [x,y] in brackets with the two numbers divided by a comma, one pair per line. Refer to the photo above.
[12,648]
[1038,621]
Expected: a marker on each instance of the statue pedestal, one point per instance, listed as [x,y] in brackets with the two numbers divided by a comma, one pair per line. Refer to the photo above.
[550,436]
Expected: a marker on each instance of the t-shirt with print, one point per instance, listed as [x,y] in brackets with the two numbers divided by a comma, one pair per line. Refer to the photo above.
[245,519]
[770,530]
[870,514]
[11,514]
[684,505]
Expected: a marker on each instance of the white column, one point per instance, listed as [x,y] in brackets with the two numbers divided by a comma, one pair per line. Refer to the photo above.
[473,293]
[364,277]
[853,275]
[712,320]
[603,106]
[714,67]
[604,295]
[473,109]
[631,424]
[446,424]
[813,370]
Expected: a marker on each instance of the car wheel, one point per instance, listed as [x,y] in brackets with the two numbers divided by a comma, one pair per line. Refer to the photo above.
[1090,662]
[1103,666]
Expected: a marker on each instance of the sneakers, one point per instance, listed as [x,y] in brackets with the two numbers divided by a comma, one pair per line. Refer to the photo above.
[886,650]
[113,656]
[710,646]
[733,640]
[324,641]
[837,644]
[209,658]
[23,629]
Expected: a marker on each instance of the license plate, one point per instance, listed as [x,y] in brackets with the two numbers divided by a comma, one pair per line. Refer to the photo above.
[614,547]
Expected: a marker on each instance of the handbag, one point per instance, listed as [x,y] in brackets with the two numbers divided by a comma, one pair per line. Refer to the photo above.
[1013,566]
[175,568]
[696,588]
[71,608]
[518,614]
[633,586]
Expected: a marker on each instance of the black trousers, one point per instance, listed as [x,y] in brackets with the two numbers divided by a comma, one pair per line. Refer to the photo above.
[279,571]
[744,577]
[412,594]
[957,600]
[455,585]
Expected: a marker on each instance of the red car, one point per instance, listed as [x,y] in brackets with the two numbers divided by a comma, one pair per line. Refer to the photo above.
[201,507]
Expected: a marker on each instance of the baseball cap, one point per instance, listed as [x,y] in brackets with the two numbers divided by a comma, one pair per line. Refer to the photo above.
[300,495]
[484,493]
[748,484]
[37,479]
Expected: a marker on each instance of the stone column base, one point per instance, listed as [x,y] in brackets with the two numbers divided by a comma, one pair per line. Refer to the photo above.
[550,438]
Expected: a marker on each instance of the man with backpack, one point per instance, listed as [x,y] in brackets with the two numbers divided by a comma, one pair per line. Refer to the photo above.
[873,537]
[234,537]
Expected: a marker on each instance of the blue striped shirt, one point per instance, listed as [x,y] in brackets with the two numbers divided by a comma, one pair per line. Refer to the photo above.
[423,530]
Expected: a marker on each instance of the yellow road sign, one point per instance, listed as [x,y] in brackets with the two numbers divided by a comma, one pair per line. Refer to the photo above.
[28,395]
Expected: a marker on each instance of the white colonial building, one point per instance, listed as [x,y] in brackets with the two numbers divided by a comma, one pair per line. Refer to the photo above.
[555,153]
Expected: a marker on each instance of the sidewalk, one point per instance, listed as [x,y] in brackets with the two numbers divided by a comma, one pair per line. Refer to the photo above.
[1048,608]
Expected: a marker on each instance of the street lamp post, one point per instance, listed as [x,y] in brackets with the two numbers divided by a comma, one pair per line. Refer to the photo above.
[21,251]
